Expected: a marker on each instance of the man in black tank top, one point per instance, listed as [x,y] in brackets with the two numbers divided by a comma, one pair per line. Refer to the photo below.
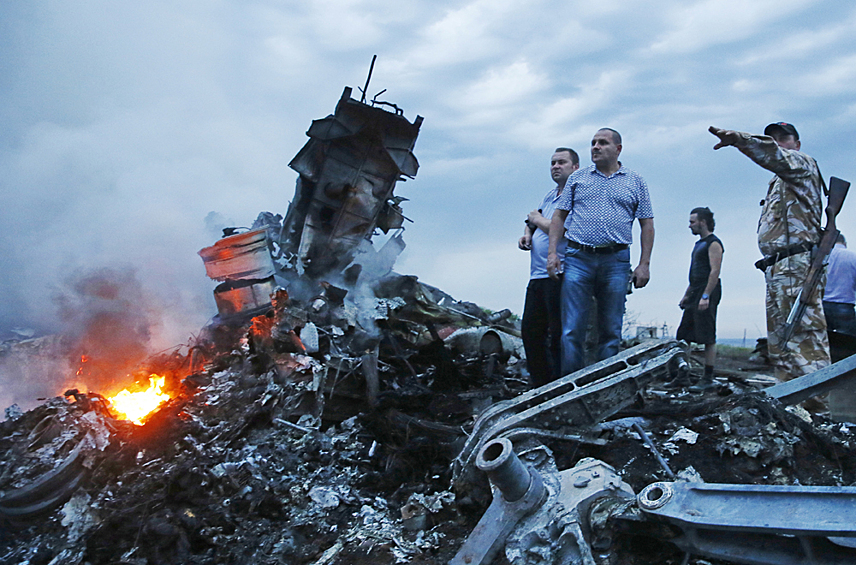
[698,324]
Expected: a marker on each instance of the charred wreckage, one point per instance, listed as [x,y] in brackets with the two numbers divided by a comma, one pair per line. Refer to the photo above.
[337,412]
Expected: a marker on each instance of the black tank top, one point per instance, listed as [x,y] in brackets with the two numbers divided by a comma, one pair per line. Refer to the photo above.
[700,266]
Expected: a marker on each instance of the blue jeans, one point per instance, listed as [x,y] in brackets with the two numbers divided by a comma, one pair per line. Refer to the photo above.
[605,277]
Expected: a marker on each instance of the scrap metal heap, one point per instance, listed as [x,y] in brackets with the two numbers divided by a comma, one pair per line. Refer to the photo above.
[256,458]
[338,413]
[266,452]
[542,515]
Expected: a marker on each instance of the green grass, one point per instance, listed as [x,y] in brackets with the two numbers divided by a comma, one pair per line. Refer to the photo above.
[734,352]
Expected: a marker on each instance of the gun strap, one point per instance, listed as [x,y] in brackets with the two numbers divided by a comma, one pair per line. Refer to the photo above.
[822,182]
[778,255]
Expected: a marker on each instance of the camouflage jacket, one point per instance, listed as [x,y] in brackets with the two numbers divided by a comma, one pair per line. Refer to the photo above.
[792,211]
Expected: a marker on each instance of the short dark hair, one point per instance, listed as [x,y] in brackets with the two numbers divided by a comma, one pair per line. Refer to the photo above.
[704,214]
[841,238]
[575,159]
[616,137]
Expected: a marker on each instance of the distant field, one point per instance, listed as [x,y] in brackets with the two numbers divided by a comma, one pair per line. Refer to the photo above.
[738,342]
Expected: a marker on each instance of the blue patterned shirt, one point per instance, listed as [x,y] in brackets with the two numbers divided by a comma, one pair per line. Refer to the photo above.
[541,240]
[601,209]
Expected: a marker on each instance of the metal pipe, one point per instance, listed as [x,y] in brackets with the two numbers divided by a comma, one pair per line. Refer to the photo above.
[508,507]
[504,468]
[653,448]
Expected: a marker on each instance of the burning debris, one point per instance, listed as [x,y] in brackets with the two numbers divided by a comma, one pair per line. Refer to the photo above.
[135,406]
[108,326]
[337,412]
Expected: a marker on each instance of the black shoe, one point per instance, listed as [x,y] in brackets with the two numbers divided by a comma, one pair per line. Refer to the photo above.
[705,384]
[682,381]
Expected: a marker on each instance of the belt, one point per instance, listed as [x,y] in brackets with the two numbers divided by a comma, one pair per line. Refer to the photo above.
[600,249]
[777,256]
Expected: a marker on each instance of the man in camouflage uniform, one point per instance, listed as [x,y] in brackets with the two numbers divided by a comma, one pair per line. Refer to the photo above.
[789,229]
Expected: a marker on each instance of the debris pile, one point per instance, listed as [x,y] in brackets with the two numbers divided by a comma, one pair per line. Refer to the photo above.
[237,467]
[263,456]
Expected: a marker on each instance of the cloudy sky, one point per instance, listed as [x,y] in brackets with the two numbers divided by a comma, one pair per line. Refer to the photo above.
[124,124]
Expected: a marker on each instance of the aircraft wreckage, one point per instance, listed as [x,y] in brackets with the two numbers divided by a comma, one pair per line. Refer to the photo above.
[336,412]
[348,171]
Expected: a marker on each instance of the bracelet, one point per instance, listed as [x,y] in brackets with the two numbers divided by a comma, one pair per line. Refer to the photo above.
[705,297]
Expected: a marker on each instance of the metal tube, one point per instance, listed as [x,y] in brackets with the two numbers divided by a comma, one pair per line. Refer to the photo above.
[504,468]
[653,448]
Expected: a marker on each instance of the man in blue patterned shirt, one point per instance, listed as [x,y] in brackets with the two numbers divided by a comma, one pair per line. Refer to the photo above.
[595,214]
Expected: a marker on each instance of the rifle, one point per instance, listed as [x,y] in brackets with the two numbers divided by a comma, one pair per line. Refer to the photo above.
[837,192]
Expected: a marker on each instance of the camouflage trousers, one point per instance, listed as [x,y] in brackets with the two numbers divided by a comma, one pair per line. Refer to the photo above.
[808,348]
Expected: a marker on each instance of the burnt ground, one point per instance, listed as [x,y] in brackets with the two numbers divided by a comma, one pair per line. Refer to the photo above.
[227,472]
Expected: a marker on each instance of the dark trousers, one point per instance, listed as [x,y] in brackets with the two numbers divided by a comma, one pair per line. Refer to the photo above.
[541,328]
[840,317]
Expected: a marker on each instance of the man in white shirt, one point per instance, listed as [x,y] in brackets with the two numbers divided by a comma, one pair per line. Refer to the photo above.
[541,326]
[839,298]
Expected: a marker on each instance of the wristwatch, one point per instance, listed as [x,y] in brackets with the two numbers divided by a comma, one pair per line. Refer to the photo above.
[705,296]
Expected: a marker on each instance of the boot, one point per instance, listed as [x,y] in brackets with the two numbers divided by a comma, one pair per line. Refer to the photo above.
[683,380]
[705,383]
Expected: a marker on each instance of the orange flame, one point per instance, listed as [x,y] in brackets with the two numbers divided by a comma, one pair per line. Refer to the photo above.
[83,360]
[135,406]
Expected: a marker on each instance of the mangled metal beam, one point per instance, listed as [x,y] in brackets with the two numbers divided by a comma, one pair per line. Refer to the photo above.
[578,400]
[545,516]
[758,524]
[837,375]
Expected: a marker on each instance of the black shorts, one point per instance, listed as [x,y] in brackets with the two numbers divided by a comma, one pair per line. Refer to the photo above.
[699,326]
